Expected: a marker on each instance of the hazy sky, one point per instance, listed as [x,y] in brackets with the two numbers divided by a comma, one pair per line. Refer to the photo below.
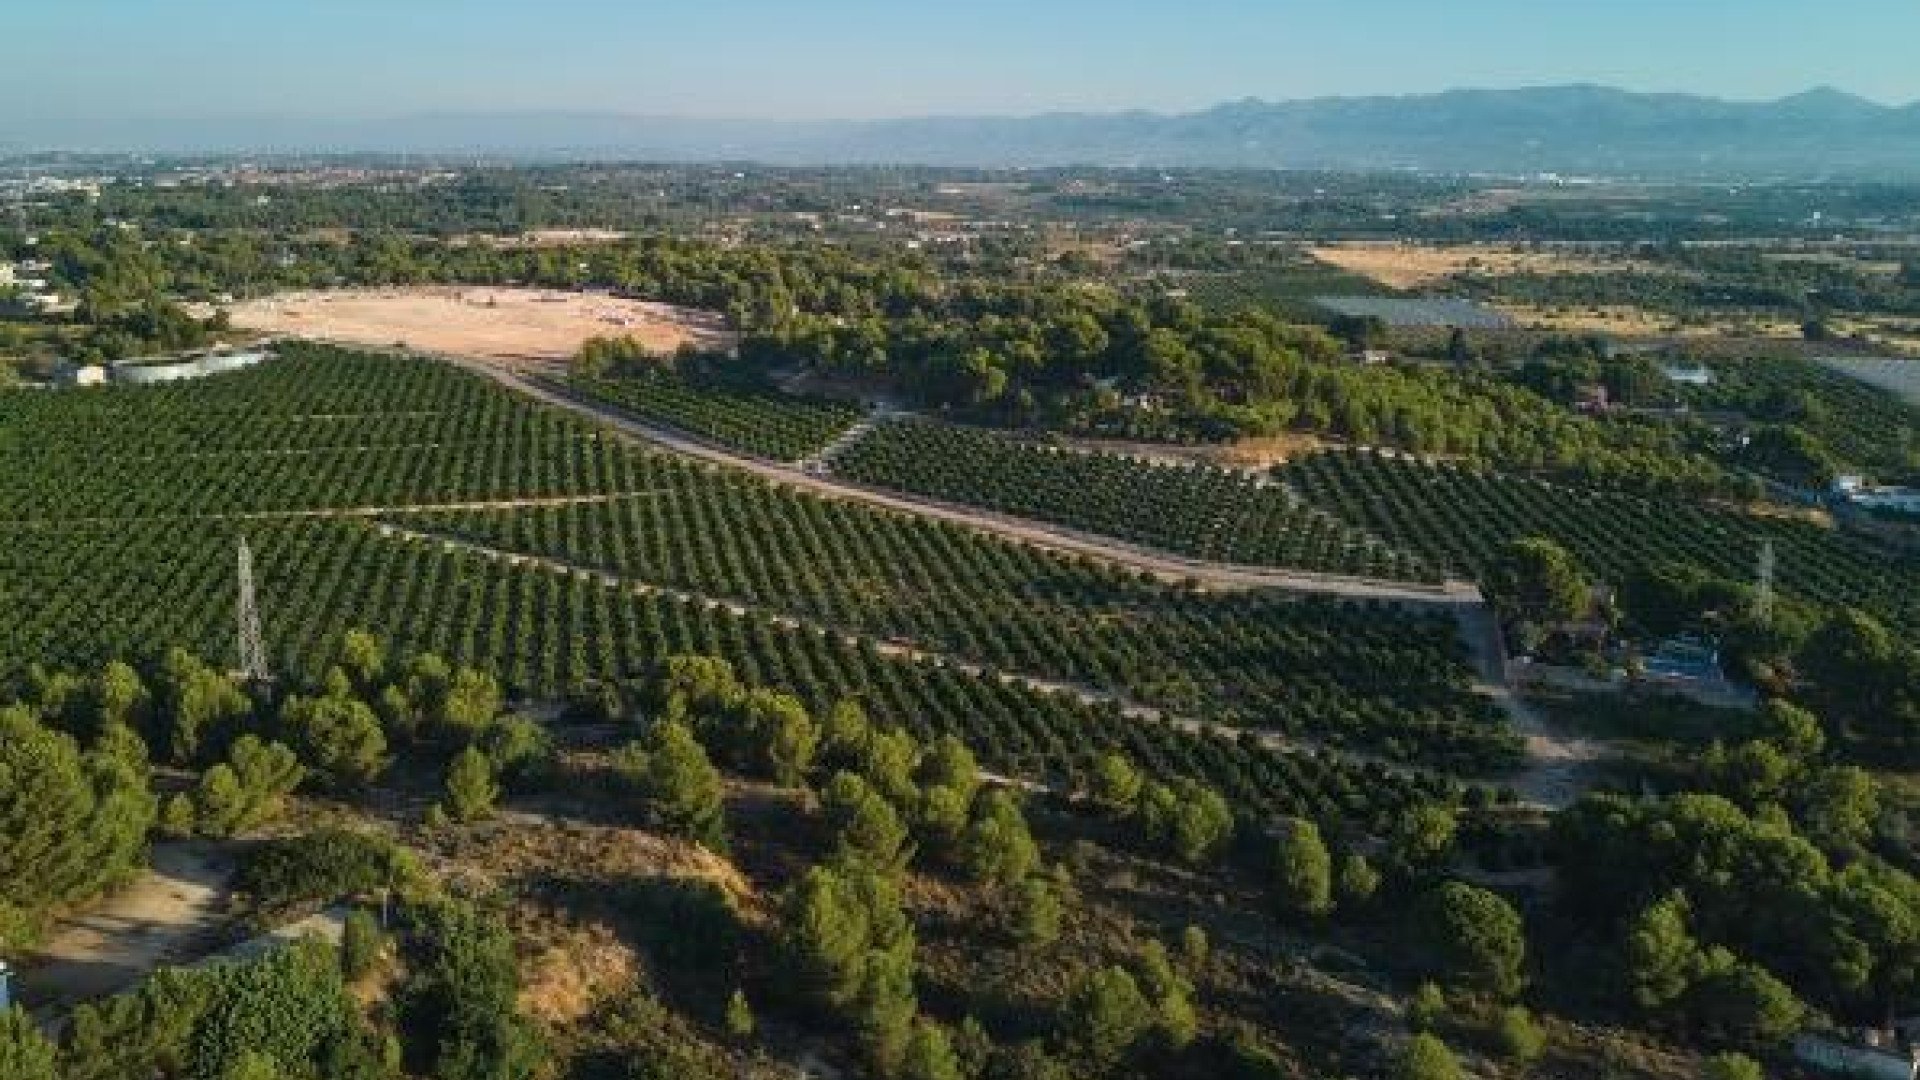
[62,59]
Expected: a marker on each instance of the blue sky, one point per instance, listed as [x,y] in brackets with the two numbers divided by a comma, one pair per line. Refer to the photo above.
[62,59]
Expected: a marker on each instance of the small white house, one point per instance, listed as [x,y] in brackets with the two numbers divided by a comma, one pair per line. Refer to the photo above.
[83,375]
[1688,376]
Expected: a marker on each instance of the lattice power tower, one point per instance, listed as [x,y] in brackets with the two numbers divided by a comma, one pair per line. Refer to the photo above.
[253,652]
[1763,585]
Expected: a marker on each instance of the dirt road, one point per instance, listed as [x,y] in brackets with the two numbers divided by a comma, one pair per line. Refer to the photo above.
[1167,566]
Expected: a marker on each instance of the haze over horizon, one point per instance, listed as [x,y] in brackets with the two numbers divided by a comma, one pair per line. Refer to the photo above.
[118,60]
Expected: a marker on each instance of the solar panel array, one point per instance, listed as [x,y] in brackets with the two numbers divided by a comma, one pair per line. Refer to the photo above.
[1890,373]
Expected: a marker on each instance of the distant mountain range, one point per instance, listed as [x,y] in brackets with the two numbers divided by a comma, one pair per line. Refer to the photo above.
[1568,129]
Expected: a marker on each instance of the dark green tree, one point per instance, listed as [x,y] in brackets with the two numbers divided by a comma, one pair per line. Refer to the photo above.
[470,791]
[1302,870]
[673,775]
[1475,938]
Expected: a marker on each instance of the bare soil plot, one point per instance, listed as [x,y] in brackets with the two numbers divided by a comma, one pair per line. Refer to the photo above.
[1258,452]
[512,324]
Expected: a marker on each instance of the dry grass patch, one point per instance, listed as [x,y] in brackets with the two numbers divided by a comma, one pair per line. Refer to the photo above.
[520,846]
[574,972]
[1627,321]
[1401,265]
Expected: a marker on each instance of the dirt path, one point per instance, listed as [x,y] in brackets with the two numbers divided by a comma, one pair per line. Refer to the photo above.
[1167,566]
[169,914]
[528,502]
[1558,763]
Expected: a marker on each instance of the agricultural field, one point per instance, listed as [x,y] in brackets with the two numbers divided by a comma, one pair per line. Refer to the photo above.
[316,430]
[1459,517]
[1220,514]
[131,590]
[127,561]
[1395,684]
[763,423]
[1416,313]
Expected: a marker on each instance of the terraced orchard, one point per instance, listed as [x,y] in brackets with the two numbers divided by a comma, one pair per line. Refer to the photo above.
[316,429]
[1208,513]
[131,589]
[1460,517]
[135,555]
[765,424]
[1384,680]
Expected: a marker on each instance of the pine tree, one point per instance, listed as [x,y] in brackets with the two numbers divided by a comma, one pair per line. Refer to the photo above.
[682,789]
[1427,1058]
[25,1054]
[471,790]
[339,736]
[929,1055]
[1037,912]
[1357,880]
[1116,784]
[1107,1014]
[999,849]
[739,1019]
[868,828]
[361,944]
[1303,870]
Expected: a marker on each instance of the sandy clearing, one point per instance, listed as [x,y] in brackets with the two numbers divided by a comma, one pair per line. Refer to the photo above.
[165,916]
[506,323]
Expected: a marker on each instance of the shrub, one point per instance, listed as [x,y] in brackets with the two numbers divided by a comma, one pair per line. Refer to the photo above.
[323,866]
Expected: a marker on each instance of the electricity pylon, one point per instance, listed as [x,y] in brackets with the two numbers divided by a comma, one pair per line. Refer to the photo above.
[253,652]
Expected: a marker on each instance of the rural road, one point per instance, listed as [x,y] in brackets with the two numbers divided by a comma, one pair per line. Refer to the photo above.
[1167,566]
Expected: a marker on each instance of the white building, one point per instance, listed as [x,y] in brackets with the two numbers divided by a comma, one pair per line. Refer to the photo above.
[83,375]
[1688,376]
